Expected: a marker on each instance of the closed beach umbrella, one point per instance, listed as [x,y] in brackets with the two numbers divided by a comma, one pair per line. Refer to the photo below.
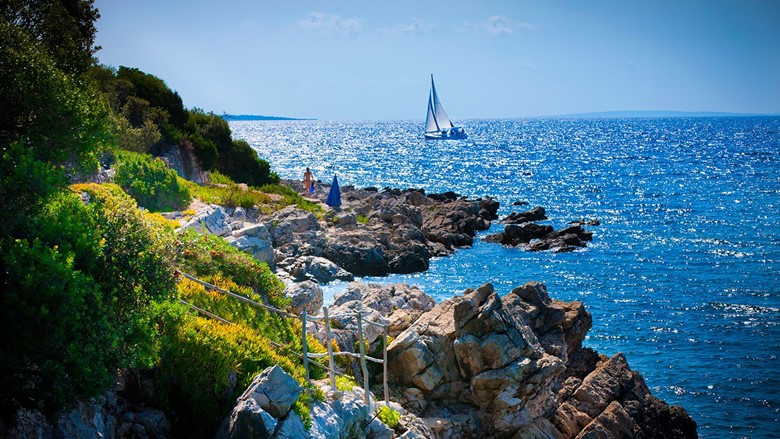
[334,196]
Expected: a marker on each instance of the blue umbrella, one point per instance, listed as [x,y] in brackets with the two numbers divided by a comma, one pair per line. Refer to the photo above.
[334,196]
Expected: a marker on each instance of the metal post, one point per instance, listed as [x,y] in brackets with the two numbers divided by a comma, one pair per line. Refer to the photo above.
[384,365]
[330,349]
[363,357]
[305,351]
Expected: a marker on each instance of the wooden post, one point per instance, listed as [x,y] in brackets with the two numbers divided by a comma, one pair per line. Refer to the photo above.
[363,357]
[305,351]
[384,365]
[330,349]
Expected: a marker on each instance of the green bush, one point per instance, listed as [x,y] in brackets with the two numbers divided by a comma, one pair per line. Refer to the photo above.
[205,150]
[209,255]
[242,165]
[79,298]
[150,182]
[388,416]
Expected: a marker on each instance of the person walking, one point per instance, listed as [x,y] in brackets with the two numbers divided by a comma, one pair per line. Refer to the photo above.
[308,181]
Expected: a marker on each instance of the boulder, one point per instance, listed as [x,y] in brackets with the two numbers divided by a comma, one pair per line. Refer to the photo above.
[535,214]
[306,294]
[258,410]
[514,366]
[314,268]
[401,304]
[210,218]
[259,249]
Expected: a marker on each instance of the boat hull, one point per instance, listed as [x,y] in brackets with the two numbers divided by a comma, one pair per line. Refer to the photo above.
[452,133]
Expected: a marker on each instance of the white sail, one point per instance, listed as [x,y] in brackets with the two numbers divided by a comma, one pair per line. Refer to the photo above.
[430,119]
[442,120]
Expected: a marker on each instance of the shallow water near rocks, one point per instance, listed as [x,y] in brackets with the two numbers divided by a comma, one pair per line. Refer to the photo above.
[683,274]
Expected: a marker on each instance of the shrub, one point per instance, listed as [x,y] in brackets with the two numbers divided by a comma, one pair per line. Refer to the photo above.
[242,165]
[79,298]
[150,182]
[388,416]
[209,255]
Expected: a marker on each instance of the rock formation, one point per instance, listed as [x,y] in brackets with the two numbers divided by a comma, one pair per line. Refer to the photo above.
[522,231]
[515,367]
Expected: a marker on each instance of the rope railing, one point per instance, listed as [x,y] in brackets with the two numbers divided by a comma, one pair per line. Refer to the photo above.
[305,356]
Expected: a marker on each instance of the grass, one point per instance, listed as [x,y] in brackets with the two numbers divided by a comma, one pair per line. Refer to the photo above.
[267,199]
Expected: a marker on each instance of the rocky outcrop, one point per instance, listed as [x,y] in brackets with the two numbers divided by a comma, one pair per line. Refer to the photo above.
[182,159]
[522,231]
[304,295]
[265,411]
[515,367]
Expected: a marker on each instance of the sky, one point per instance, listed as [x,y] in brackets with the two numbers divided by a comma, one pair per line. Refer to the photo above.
[372,60]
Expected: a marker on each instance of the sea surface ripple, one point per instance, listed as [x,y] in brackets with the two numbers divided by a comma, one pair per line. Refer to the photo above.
[683,274]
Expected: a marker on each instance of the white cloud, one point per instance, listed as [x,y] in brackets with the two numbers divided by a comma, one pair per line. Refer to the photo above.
[331,24]
[416,27]
[499,26]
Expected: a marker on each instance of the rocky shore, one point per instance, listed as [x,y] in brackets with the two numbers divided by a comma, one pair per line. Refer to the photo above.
[474,366]
[477,365]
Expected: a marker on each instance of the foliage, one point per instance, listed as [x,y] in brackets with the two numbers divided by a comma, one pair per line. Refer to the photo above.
[205,150]
[153,90]
[208,364]
[209,255]
[242,164]
[345,383]
[362,219]
[291,197]
[220,178]
[79,298]
[53,115]
[65,28]
[231,195]
[134,269]
[151,182]
[211,127]
[388,416]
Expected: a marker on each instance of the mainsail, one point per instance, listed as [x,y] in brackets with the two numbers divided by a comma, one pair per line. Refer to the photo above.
[437,124]
[442,121]
[430,119]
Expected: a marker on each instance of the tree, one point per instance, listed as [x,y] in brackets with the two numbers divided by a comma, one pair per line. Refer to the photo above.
[65,27]
[48,118]
[154,90]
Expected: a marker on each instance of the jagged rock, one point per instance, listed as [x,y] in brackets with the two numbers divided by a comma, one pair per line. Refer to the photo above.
[521,372]
[521,232]
[213,218]
[258,410]
[259,249]
[314,268]
[306,294]
[535,214]
[401,304]
[182,159]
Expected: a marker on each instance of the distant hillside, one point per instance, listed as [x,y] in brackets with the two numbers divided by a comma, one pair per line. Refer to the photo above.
[646,114]
[230,117]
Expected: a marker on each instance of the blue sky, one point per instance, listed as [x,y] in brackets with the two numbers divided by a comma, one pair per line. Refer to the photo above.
[367,60]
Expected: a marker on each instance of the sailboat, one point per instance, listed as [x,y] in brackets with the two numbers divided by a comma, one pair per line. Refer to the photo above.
[437,124]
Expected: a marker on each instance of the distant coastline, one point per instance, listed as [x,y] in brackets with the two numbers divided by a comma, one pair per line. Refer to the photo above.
[230,117]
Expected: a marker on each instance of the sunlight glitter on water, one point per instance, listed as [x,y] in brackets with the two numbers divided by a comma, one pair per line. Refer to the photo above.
[683,271]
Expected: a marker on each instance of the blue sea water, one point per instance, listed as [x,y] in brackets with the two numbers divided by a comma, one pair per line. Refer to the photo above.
[683,274]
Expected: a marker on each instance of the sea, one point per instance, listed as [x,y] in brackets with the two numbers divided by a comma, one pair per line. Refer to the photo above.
[683,273]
